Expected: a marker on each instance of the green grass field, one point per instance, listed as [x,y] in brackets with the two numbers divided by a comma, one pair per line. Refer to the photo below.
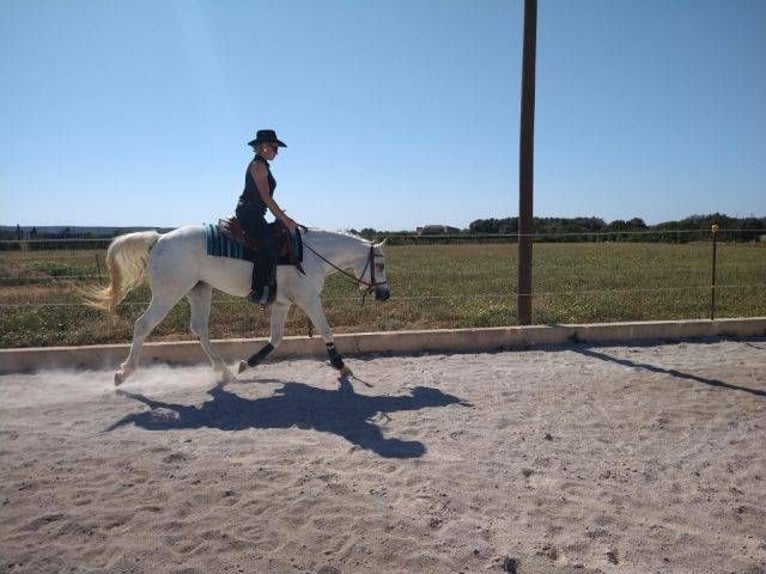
[433,286]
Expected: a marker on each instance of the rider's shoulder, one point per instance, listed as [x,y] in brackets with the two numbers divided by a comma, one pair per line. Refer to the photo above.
[259,166]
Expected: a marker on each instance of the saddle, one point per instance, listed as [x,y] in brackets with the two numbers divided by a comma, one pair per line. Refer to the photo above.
[289,244]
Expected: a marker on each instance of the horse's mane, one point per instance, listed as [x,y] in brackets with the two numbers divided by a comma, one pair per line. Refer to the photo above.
[342,233]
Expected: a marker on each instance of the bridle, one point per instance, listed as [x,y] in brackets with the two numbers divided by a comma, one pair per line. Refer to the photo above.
[370,264]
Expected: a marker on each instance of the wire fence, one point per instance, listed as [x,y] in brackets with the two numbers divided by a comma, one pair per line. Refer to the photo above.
[436,282]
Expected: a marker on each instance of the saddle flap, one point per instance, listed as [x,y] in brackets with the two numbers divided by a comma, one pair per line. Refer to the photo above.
[289,245]
[231,228]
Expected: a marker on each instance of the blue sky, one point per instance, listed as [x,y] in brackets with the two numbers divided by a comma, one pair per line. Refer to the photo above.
[397,113]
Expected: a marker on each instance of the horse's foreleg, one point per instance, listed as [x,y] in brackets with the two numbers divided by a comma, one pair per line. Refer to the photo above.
[277,330]
[257,358]
[315,312]
[200,298]
[335,358]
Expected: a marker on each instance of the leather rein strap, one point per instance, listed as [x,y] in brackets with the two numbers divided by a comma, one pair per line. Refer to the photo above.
[371,284]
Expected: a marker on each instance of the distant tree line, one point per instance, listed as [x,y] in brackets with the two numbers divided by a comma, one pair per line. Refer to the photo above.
[594,229]
[43,238]
[19,233]
[578,229]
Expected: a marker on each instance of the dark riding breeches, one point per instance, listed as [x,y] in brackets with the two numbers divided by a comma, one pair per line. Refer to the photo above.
[265,257]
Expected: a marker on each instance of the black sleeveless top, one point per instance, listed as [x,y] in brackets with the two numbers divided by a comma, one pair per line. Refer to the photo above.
[250,198]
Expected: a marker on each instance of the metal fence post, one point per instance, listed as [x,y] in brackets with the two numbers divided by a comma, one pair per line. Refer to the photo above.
[714,231]
[98,270]
[526,163]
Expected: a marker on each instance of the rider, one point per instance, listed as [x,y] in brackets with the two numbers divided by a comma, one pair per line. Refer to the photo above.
[256,198]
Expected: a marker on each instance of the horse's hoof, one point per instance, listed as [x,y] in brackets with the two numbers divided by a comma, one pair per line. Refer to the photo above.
[242,367]
[226,378]
[119,378]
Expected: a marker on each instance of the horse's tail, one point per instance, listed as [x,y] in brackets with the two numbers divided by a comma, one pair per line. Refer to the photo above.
[126,261]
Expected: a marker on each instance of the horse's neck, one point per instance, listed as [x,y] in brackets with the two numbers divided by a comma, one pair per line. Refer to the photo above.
[341,249]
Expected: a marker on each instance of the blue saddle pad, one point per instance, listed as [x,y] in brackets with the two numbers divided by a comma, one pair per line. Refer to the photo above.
[219,245]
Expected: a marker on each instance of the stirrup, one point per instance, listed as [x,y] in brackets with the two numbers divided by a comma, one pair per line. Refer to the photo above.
[256,297]
[266,297]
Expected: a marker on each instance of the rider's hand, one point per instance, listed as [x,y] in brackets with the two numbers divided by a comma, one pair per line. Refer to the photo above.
[289,223]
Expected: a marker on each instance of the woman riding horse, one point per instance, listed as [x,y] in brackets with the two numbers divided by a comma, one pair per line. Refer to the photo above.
[256,198]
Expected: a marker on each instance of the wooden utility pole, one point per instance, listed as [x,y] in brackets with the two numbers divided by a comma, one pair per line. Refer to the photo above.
[526,163]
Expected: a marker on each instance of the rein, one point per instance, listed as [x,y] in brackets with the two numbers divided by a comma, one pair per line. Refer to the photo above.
[371,284]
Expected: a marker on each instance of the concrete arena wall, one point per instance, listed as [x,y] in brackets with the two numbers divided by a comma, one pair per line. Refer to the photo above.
[396,343]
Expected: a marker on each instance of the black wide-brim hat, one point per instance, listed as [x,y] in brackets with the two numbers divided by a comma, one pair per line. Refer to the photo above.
[266,136]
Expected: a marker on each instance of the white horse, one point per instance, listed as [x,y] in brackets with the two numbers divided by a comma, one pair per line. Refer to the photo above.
[177,264]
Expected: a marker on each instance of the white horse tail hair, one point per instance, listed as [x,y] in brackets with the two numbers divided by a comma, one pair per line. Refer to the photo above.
[126,261]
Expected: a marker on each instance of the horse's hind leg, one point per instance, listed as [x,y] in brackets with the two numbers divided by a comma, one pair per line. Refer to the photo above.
[158,309]
[278,316]
[200,298]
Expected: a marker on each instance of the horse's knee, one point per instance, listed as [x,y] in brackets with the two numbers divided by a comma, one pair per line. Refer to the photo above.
[146,324]
[141,329]
[277,323]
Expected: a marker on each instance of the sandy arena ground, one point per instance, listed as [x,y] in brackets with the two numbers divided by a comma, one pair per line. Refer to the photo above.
[581,459]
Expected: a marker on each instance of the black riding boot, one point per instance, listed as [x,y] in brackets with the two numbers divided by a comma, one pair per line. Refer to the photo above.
[264,284]
[263,290]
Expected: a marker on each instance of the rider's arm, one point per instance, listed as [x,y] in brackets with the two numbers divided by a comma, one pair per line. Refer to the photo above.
[260,175]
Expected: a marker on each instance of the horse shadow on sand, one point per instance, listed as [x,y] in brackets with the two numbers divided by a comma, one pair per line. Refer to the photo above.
[341,411]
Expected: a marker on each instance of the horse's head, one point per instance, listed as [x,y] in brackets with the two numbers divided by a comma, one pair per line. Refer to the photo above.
[372,272]
[345,251]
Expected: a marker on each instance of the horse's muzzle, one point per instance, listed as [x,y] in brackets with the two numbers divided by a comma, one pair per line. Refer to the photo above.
[382,293]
